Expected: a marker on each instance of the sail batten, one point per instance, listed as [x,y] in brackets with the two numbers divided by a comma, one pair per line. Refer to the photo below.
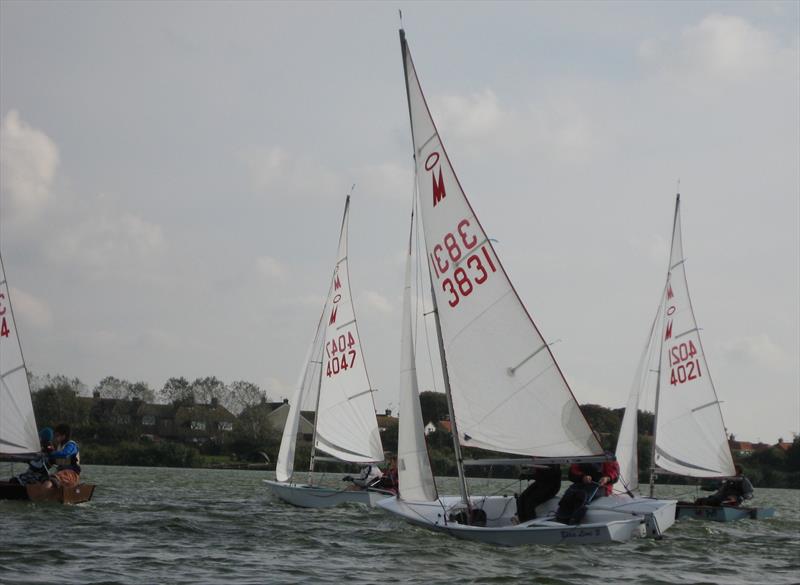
[483,320]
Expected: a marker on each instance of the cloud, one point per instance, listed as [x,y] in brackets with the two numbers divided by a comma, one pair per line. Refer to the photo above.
[110,242]
[277,172]
[757,350]
[474,116]
[720,47]
[31,309]
[376,301]
[385,181]
[270,268]
[28,163]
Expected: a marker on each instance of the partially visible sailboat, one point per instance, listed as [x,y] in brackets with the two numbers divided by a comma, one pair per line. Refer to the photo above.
[335,376]
[689,438]
[504,390]
[19,438]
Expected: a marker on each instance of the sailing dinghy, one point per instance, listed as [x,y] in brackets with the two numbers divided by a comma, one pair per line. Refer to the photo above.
[504,390]
[345,426]
[689,438]
[19,439]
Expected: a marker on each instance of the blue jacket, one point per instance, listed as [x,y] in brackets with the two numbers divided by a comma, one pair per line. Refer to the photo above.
[68,457]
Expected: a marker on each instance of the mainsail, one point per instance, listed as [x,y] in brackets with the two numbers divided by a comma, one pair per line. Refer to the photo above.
[346,427]
[18,435]
[690,436]
[414,468]
[508,393]
[334,372]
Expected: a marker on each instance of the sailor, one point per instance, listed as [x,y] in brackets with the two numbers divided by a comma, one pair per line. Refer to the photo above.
[368,476]
[732,492]
[589,481]
[66,457]
[546,483]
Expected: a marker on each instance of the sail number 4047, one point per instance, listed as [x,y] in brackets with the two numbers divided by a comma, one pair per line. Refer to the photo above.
[447,255]
[685,367]
[341,353]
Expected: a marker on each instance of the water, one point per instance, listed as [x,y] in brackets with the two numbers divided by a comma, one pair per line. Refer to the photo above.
[157,525]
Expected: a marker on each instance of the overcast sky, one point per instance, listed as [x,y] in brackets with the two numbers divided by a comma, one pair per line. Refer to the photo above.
[173,177]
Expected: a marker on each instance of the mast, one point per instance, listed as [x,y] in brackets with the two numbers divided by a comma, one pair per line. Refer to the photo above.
[661,358]
[462,480]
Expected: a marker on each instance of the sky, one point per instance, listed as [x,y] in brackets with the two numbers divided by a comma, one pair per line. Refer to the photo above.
[172,178]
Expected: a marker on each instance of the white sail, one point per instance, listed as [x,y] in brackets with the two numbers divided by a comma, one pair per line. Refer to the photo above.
[690,434]
[307,387]
[346,427]
[627,451]
[18,434]
[413,464]
[508,393]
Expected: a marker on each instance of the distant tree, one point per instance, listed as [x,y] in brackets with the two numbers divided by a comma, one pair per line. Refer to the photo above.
[111,387]
[177,390]
[141,391]
[241,395]
[434,406]
[793,455]
[208,389]
[59,403]
[59,380]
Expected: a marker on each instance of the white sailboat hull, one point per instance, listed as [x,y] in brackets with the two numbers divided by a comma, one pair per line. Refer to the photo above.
[659,515]
[311,496]
[599,526]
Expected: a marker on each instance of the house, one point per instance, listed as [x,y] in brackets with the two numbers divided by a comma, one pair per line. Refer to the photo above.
[274,415]
[199,423]
[386,420]
[430,428]
[156,420]
[741,448]
[783,445]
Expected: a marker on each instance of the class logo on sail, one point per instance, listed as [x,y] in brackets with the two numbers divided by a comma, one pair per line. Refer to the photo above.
[438,182]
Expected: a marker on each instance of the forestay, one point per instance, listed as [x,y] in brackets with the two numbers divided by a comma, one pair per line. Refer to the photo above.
[690,433]
[414,468]
[346,426]
[18,434]
[508,393]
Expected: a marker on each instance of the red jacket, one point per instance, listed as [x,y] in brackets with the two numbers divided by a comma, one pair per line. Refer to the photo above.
[609,469]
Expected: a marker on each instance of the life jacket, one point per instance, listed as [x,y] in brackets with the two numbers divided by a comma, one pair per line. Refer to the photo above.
[72,461]
[609,469]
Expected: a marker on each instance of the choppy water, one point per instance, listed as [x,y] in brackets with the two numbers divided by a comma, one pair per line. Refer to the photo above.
[156,525]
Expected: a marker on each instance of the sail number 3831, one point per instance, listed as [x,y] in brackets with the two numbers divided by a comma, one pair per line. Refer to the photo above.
[457,248]
[685,367]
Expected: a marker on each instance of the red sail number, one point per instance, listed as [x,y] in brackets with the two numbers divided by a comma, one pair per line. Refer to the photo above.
[451,252]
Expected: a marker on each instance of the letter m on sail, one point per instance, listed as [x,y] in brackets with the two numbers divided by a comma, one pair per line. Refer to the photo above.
[438,188]
[337,284]
[333,316]
[668,334]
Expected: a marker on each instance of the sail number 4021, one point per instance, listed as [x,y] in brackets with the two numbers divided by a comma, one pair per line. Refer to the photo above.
[457,246]
[341,353]
[685,367]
